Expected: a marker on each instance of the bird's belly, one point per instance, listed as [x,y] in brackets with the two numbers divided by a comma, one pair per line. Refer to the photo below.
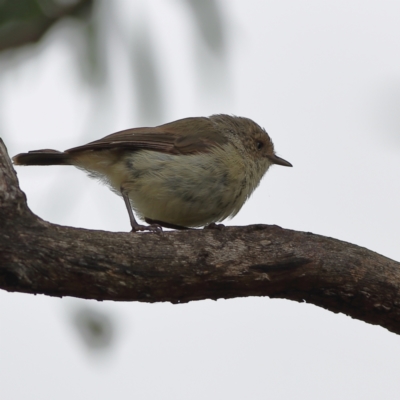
[185,190]
[188,191]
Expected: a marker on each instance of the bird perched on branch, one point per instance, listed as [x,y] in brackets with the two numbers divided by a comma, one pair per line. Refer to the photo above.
[188,173]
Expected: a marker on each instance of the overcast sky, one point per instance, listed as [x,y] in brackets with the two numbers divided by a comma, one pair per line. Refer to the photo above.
[323,78]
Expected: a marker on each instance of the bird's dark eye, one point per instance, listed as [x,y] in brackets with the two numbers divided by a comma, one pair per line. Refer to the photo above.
[259,144]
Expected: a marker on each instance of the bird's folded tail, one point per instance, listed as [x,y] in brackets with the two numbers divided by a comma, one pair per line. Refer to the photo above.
[42,157]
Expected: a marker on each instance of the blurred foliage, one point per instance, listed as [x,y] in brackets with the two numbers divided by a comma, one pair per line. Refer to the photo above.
[208,20]
[26,21]
[96,329]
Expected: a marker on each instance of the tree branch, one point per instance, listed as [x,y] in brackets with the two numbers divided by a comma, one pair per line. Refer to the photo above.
[180,266]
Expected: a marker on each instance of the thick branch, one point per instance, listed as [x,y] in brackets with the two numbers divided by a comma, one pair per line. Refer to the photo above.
[180,266]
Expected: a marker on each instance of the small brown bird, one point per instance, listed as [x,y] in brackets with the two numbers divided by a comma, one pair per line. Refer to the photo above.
[188,173]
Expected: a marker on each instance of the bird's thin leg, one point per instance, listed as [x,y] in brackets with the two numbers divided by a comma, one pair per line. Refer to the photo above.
[135,226]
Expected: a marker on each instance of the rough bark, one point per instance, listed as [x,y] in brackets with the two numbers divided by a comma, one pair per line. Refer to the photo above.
[180,266]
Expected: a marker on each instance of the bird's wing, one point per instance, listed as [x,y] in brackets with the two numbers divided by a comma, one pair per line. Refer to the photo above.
[185,136]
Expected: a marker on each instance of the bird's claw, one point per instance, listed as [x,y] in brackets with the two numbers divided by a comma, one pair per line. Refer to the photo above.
[151,228]
[213,225]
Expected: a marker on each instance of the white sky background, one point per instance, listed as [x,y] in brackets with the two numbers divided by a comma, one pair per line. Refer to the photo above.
[323,78]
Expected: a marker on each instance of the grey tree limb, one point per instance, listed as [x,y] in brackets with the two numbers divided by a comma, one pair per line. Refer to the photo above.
[180,266]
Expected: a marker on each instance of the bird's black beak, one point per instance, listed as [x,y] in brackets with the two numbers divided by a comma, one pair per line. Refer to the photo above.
[279,161]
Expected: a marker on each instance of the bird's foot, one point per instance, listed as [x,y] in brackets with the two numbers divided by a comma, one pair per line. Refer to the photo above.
[165,224]
[151,228]
[213,225]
